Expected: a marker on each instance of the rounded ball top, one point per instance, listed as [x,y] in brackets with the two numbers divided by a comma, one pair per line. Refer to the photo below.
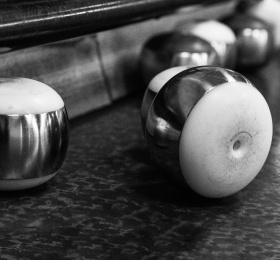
[26,96]
[210,30]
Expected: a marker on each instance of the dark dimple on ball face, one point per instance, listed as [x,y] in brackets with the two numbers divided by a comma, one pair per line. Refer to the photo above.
[171,107]
[174,49]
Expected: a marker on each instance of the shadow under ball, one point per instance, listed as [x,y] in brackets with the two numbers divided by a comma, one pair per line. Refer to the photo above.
[170,49]
[34,133]
[255,41]
[211,128]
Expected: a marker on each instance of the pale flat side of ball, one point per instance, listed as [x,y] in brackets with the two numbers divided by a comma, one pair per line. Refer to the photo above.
[225,140]
[27,96]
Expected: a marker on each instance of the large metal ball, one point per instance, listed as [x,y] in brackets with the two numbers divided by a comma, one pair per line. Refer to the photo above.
[211,128]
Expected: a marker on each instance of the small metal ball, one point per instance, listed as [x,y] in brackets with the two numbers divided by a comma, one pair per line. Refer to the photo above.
[211,128]
[34,133]
[219,35]
[255,41]
[268,11]
[171,49]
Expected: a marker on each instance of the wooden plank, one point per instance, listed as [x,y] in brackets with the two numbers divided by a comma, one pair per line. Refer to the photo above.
[71,67]
[29,22]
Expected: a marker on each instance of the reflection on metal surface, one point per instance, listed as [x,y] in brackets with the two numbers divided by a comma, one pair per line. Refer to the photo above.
[174,49]
[255,40]
[32,145]
[220,36]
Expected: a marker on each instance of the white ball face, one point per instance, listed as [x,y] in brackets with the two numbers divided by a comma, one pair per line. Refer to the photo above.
[225,140]
[27,96]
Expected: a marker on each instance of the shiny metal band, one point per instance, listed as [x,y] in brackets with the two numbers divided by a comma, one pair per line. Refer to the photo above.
[32,145]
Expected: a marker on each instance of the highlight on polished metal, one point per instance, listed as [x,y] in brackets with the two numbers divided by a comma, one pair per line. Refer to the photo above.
[255,40]
[33,148]
[220,36]
[171,49]
[211,128]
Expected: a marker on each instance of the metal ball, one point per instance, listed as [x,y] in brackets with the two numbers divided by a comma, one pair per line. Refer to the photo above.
[219,35]
[210,128]
[268,11]
[171,49]
[255,41]
[34,133]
